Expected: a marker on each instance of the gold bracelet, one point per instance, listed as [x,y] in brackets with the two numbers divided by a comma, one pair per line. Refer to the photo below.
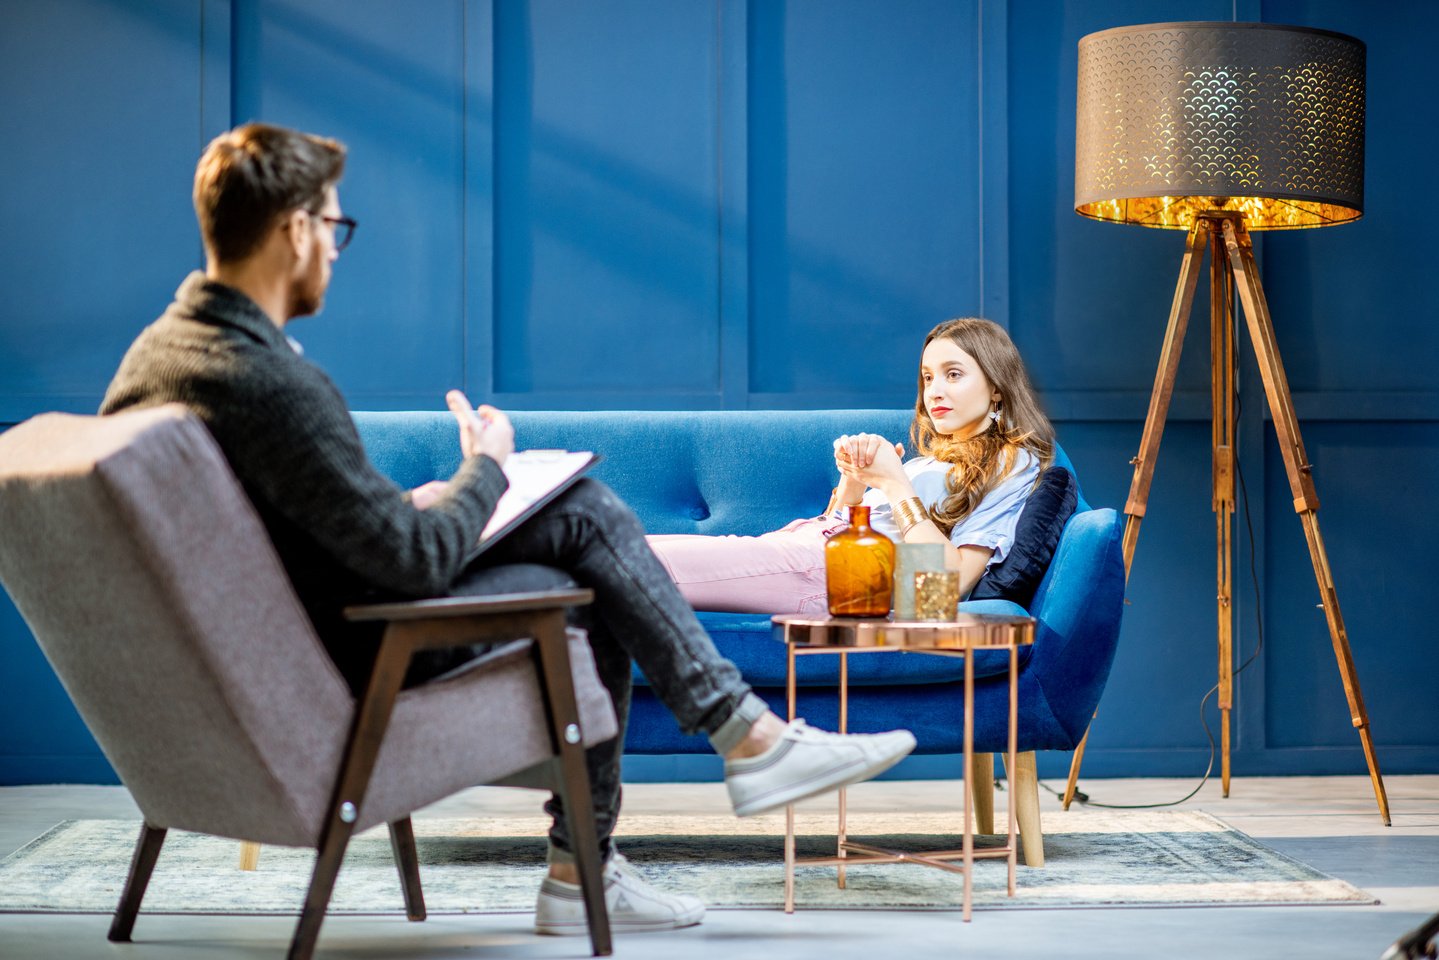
[909,513]
[915,507]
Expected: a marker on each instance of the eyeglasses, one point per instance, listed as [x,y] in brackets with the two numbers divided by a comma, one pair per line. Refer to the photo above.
[344,229]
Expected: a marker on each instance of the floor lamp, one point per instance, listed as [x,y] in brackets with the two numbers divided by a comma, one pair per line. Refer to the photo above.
[1221,129]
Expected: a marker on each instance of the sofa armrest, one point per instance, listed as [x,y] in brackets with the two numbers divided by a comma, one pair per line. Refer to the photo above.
[1079,607]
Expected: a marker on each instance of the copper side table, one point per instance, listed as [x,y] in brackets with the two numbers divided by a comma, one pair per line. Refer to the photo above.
[804,636]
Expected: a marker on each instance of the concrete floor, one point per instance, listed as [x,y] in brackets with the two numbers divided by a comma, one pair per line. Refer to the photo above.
[1327,822]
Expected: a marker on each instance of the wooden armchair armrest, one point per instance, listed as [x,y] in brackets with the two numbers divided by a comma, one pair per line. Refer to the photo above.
[447,607]
[460,621]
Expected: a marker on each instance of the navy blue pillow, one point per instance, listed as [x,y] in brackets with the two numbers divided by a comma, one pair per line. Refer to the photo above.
[1036,536]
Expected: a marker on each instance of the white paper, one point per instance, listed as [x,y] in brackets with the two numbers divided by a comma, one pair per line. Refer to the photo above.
[533,474]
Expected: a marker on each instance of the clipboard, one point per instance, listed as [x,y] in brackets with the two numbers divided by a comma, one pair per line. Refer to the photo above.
[536,477]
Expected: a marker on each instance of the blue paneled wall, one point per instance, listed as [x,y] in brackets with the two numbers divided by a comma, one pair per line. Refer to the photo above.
[686,204]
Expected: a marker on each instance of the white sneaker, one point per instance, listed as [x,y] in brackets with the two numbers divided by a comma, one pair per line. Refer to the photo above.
[807,762]
[632,903]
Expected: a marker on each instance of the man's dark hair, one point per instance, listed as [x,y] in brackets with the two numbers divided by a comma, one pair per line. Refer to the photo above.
[253,174]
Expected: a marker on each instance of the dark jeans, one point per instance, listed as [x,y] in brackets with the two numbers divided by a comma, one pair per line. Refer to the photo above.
[588,537]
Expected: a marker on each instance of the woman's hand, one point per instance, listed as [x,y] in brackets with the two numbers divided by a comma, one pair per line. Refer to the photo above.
[871,460]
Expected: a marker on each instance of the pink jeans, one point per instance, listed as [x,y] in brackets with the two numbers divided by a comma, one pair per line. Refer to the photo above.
[777,572]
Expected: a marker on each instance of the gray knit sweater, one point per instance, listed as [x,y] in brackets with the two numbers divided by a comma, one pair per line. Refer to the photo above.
[344,532]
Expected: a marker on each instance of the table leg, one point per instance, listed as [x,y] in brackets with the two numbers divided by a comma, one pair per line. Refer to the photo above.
[941,640]
[968,835]
[789,859]
[1009,762]
[843,792]
[789,808]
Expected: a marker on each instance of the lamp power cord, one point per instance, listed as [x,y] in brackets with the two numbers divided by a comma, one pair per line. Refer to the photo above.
[1083,798]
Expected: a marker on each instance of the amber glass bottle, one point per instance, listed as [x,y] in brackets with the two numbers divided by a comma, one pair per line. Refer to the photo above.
[859,569]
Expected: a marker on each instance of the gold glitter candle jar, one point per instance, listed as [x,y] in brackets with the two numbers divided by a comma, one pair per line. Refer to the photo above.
[936,595]
[909,559]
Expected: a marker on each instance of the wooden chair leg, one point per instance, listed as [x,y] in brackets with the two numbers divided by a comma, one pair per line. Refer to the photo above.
[407,859]
[322,884]
[574,780]
[249,855]
[981,788]
[1024,794]
[147,851]
[372,718]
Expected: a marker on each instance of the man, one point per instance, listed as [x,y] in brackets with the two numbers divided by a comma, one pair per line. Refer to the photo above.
[271,221]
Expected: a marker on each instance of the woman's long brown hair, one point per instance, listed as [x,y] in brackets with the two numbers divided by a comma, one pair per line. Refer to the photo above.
[979,463]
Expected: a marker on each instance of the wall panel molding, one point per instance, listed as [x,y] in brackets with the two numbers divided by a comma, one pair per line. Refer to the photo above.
[994,160]
[478,190]
[216,68]
[805,188]
[732,83]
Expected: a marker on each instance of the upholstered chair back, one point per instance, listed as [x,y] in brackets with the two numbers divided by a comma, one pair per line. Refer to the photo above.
[150,584]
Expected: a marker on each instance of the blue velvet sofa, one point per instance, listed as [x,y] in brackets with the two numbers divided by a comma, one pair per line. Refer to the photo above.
[747,472]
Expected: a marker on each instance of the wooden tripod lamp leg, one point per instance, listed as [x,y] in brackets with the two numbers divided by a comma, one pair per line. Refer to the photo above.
[1301,479]
[1221,380]
[1154,421]
[1148,456]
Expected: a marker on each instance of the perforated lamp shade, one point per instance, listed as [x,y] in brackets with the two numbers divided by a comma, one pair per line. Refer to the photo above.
[1175,119]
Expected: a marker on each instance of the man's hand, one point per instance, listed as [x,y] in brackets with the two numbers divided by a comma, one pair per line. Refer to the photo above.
[424,496]
[486,431]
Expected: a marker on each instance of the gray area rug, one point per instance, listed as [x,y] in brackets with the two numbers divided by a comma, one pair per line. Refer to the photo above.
[1093,859]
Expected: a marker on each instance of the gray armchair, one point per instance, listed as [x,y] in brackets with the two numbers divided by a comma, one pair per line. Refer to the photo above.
[148,581]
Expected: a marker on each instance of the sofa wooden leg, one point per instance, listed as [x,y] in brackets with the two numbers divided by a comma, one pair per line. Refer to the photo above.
[981,788]
[249,855]
[1024,794]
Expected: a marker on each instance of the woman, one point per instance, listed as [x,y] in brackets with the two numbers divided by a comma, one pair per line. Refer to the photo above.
[983,444]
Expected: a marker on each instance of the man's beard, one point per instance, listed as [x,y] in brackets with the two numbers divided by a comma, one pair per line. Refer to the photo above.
[307,297]
[308,303]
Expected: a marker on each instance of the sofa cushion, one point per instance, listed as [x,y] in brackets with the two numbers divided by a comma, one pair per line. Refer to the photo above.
[1036,536]
[700,471]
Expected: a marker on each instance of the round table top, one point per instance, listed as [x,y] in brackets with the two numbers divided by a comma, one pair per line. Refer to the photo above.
[968,631]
